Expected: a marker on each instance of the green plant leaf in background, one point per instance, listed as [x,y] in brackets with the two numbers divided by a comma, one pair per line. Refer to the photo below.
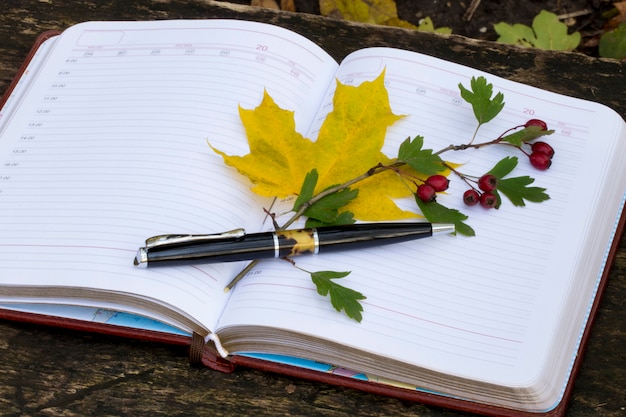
[613,43]
[547,32]
[516,34]
[426,25]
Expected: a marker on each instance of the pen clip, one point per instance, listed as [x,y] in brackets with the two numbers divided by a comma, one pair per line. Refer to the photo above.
[174,239]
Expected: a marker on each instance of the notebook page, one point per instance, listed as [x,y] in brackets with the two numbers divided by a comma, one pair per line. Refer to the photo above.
[482,307]
[109,147]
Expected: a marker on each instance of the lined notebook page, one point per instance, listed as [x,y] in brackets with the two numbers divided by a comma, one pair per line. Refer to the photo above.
[109,147]
[485,307]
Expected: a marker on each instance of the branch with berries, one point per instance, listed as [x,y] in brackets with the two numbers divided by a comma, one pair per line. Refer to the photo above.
[425,173]
[485,190]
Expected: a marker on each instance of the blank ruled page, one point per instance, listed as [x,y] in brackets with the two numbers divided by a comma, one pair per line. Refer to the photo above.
[108,146]
[491,307]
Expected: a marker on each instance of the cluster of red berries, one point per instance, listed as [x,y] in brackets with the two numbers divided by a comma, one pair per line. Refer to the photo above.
[541,153]
[488,199]
[540,157]
[434,184]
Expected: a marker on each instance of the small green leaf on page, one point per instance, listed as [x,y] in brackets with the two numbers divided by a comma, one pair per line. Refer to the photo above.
[422,160]
[504,167]
[324,212]
[485,107]
[345,217]
[327,208]
[517,190]
[438,213]
[307,190]
[341,298]
[526,135]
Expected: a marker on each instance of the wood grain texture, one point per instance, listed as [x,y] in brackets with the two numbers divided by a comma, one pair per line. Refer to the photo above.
[54,372]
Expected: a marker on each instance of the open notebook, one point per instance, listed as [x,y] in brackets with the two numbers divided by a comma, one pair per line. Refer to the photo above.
[103,143]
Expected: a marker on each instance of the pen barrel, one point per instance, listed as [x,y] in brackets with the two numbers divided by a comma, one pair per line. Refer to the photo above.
[253,246]
[360,236]
[280,244]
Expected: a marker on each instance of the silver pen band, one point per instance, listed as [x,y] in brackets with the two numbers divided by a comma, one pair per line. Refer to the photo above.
[276,245]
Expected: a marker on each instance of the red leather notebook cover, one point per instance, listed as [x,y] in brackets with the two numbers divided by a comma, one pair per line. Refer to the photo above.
[205,355]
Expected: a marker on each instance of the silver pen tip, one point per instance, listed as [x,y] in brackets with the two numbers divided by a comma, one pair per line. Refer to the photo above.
[141,259]
[441,228]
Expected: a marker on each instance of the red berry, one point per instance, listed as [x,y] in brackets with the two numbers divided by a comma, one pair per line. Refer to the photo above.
[488,182]
[471,197]
[543,147]
[537,123]
[540,160]
[426,193]
[438,182]
[488,200]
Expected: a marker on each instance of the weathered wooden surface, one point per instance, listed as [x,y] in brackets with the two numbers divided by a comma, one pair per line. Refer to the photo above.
[53,372]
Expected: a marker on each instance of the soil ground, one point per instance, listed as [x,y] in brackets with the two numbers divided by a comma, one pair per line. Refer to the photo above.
[588,15]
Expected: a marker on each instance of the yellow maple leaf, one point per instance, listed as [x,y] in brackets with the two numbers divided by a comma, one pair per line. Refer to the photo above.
[353,133]
[349,144]
[279,156]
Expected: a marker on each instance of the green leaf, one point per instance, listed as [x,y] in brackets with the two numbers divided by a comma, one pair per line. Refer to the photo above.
[308,187]
[547,32]
[341,298]
[437,213]
[485,108]
[421,160]
[526,135]
[504,167]
[426,25]
[613,43]
[551,33]
[326,210]
[517,190]
[516,34]
[345,217]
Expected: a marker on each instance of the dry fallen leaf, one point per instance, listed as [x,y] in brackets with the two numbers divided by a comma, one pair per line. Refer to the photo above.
[286,5]
[269,4]
[620,18]
[367,11]
[379,12]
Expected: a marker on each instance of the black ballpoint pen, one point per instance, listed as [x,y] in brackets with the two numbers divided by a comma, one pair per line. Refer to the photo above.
[236,245]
